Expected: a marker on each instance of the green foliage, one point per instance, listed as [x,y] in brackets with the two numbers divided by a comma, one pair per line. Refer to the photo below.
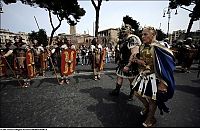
[40,36]
[64,9]
[184,2]
[160,35]
[196,10]
[32,36]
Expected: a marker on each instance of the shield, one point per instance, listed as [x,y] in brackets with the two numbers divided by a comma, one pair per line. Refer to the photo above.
[102,59]
[30,64]
[68,61]
[2,66]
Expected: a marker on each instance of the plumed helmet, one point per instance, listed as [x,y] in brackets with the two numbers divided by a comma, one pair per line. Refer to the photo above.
[130,24]
[126,27]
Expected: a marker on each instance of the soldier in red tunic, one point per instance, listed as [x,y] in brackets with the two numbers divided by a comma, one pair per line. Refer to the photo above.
[23,61]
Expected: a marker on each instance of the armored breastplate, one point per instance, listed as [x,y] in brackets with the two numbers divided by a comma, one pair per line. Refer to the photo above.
[125,53]
[20,52]
[20,55]
[147,56]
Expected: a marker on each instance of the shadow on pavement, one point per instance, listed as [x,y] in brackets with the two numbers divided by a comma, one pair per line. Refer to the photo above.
[86,77]
[196,81]
[11,84]
[189,89]
[114,111]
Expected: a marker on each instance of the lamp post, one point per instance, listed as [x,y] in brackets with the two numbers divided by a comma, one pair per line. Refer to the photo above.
[168,11]
[1,11]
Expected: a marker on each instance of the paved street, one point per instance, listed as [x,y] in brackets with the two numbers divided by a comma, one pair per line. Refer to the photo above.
[86,103]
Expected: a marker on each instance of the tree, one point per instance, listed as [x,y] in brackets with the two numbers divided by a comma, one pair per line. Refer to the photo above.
[40,36]
[195,14]
[32,36]
[97,9]
[63,9]
[160,35]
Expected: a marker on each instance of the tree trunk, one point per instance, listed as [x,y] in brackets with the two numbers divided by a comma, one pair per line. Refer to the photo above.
[51,37]
[97,23]
[189,27]
[54,29]
[97,9]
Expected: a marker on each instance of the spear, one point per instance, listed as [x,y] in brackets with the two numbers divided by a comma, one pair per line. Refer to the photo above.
[48,53]
[53,66]
[36,23]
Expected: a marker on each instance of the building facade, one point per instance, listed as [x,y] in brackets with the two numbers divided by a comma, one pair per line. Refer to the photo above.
[180,35]
[6,35]
[176,35]
[109,37]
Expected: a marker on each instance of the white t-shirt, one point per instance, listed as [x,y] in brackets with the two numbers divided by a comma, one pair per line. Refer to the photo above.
[92,47]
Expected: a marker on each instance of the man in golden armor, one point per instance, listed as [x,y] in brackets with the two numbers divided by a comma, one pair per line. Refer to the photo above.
[155,83]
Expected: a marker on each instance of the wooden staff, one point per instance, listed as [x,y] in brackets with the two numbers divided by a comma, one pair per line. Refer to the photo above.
[53,66]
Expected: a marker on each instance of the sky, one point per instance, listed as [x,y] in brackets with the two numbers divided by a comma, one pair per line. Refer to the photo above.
[18,17]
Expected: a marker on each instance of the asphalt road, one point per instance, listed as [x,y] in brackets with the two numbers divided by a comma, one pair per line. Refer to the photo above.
[86,103]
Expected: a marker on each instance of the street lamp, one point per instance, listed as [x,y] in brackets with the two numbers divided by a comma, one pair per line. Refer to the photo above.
[168,11]
[1,9]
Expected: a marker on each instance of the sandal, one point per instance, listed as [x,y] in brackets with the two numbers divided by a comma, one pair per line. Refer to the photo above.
[99,77]
[95,78]
[67,81]
[151,123]
[62,82]
[25,85]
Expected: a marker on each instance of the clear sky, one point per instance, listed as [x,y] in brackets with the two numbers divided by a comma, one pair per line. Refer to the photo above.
[18,17]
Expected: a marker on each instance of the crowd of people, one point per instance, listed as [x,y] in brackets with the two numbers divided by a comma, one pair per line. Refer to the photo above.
[84,54]
[148,64]
[186,52]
